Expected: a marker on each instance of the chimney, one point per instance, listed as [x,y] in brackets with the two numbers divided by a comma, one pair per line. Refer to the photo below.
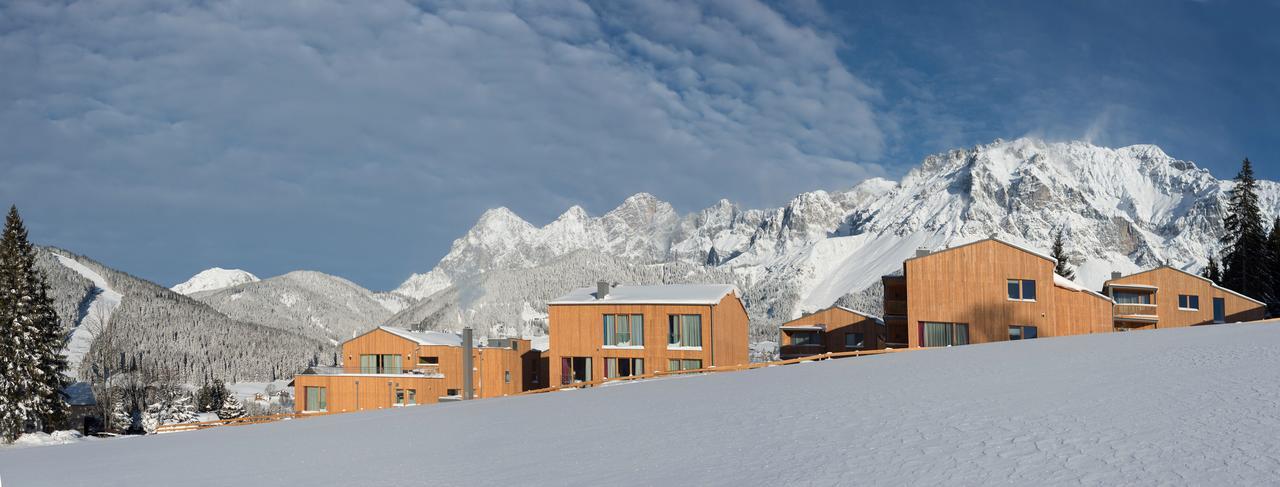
[602,289]
[921,252]
[468,366]
[1115,275]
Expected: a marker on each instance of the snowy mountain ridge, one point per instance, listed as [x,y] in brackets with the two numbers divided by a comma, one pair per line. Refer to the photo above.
[1121,209]
[212,279]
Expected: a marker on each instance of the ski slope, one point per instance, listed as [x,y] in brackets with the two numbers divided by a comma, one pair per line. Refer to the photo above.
[1191,406]
[92,317]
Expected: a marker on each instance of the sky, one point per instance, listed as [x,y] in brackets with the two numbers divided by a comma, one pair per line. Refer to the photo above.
[360,138]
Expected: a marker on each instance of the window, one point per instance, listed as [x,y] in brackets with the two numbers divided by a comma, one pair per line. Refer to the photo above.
[686,364]
[413,397]
[575,369]
[1022,290]
[317,399]
[428,360]
[805,338]
[380,364]
[1188,301]
[1130,297]
[451,392]
[624,330]
[944,334]
[406,397]
[854,340]
[506,376]
[684,331]
[623,367]
[1019,332]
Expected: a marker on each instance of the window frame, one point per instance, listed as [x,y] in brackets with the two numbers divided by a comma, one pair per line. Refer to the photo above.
[816,340]
[1020,287]
[634,330]
[1022,332]
[862,340]
[322,399]
[678,336]
[1185,302]
[952,336]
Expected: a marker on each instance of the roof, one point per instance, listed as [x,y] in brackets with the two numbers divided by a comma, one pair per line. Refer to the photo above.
[704,294]
[804,327]
[1175,269]
[874,318]
[425,337]
[1065,283]
[989,239]
[80,394]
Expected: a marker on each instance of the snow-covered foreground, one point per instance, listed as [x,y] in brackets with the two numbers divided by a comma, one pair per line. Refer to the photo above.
[94,317]
[1193,406]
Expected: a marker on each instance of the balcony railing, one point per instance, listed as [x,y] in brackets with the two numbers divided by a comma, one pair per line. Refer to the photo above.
[1136,310]
[426,369]
[898,308]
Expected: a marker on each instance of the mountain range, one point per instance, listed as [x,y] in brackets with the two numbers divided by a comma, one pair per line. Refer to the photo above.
[1120,209]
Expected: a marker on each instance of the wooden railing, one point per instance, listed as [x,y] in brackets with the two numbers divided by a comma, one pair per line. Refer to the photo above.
[1135,309]
[269,418]
[727,368]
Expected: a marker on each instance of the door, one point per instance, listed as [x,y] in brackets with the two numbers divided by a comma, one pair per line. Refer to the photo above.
[1219,310]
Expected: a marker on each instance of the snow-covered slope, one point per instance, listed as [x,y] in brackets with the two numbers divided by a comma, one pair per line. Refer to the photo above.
[311,303]
[1189,406]
[95,311]
[213,279]
[1121,209]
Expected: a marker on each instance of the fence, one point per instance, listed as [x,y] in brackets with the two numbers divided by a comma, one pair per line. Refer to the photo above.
[727,368]
[173,428]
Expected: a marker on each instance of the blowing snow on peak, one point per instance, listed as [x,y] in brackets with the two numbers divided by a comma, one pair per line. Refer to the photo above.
[1121,209]
[212,279]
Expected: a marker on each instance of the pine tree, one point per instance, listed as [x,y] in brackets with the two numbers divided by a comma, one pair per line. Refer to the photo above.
[1273,265]
[1244,241]
[31,382]
[231,408]
[120,420]
[1063,267]
[1211,271]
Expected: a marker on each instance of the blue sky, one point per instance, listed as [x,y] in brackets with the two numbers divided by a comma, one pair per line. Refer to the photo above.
[361,138]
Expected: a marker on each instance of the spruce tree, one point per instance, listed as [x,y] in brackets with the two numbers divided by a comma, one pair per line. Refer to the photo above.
[1273,265]
[1244,257]
[1063,267]
[34,377]
[231,408]
[1211,271]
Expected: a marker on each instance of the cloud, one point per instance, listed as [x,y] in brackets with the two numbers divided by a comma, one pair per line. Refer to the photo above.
[197,127]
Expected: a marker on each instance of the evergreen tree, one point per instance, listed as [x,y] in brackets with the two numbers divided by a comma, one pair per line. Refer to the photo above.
[231,408]
[33,377]
[1273,265]
[1063,267]
[121,420]
[1211,271]
[1244,242]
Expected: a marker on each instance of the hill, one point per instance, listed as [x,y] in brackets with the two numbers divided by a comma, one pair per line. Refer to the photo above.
[1187,406]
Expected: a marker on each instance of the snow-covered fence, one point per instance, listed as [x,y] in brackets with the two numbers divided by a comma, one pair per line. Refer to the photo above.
[269,418]
[727,368]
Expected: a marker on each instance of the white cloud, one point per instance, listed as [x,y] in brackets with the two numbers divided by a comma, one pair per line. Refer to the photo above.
[347,109]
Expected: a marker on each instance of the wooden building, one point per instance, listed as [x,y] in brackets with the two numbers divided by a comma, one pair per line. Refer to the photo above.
[987,291]
[1166,297]
[619,331]
[393,367]
[835,329]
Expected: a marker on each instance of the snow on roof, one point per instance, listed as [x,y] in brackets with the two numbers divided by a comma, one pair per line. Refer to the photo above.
[1065,283]
[80,394]
[990,239]
[877,319]
[425,337]
[541,344]
[656,294]
[805,327]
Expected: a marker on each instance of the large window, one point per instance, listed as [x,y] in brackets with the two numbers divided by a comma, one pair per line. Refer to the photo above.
[1022,289]
[1188,301]
[805,338]
[624,330]
[575,369]
[684,331]
[623,367]
[686,364]
[380,364]
[1019,332]
[944,334]
[855,340]
[317,399]
[1130,297]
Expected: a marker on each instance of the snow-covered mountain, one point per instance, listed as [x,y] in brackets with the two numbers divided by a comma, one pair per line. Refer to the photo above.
[1121,209]
[213,279]
[309,303]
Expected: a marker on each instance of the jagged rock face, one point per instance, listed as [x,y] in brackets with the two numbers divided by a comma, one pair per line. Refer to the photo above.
[1121,209]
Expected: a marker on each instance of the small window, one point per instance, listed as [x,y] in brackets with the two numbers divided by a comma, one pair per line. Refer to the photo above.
[855,340]
[1130,297]
[317,399]
[1188,301]
[623,367]
[507,376]
[1022,289]
[451,392]
[799,338]
[687,364]
[413,397]
[428,360]
[1018,332]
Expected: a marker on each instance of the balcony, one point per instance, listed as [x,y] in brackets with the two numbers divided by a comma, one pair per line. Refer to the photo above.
[1135,312]
[426,370]
[895,308]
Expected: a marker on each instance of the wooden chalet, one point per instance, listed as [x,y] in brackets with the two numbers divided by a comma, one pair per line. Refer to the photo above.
[1166,297]
[835,329]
